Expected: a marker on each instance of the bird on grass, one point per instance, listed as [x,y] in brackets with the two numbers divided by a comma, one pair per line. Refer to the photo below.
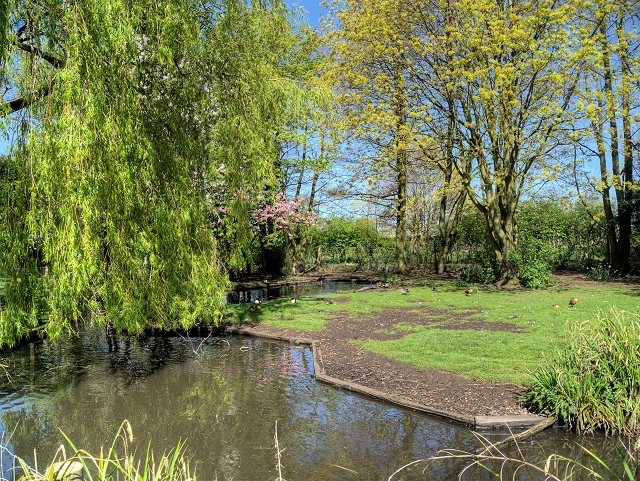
[251,309]
[434,289]
[404,290]
[468,292]
[293,300]
[555,306]
[573,301]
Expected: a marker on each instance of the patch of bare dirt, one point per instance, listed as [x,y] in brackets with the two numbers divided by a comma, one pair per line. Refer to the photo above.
[572,279]
[438,389]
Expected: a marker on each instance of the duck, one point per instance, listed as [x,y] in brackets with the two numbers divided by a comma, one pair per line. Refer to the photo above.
[293,300]
[573,301]
[259,306]
[434,289]
[404,290]
[251,309]
[468,292]
[257,301]
[555,306]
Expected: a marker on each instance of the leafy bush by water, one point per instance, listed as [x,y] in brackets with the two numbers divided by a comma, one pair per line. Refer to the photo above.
[594,383]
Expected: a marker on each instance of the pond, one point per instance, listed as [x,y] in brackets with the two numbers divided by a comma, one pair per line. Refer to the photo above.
[222,397]
[241,295]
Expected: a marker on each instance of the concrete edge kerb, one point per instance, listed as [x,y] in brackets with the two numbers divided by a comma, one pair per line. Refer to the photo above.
[526,421]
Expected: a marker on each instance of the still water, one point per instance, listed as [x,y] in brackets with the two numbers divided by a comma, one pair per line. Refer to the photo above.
[241,295]
[222,397]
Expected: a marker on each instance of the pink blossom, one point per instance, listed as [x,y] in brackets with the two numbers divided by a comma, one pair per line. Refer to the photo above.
[285,214]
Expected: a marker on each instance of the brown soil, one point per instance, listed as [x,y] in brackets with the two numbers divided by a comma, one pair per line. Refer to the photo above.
[436,389]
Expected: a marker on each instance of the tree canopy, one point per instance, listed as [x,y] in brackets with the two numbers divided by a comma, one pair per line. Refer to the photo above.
[131,120]
[491,89]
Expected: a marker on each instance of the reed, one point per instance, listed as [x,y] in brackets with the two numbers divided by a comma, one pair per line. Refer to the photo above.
[117,463]
[594,382]
[501,466]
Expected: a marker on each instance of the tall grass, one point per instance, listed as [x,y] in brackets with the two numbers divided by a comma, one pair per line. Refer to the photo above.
[594,382]
[118,463]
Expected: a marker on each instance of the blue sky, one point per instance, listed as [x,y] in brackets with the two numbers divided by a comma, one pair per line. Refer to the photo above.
[313,8]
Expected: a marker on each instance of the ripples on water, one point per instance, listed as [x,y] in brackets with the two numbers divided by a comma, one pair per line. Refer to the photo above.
[222,397]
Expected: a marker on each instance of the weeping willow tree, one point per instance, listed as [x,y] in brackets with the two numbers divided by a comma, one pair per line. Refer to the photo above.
[129,117]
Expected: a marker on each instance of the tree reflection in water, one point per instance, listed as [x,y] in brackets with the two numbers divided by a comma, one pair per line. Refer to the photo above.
[222,398]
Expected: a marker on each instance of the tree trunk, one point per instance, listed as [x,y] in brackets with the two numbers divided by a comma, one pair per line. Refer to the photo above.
[611,117]
[618,225]
[298,248]
[400,141]
[448,227]
[623,191]
[502,238]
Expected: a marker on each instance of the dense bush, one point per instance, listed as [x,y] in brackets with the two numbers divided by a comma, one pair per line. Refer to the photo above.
[355,241]
[551,234]
[594,383]
[534,260]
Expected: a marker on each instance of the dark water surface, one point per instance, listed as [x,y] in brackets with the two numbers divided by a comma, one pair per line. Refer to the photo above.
[241,295]
[223,398]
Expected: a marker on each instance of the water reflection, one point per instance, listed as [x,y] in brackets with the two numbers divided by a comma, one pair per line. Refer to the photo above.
[240,295]
[221,396]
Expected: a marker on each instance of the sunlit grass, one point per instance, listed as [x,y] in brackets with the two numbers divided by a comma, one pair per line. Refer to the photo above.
[481,355]
[484,355]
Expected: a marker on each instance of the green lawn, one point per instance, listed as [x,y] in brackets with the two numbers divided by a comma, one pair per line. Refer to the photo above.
[482,355]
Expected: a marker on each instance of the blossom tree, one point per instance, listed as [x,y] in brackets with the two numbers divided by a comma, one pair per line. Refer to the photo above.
[285,220]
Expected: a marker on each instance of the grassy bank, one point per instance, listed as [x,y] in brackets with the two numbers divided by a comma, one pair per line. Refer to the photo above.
[491,335]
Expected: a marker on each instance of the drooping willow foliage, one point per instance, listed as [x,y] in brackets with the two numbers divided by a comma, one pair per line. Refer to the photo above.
[138,113]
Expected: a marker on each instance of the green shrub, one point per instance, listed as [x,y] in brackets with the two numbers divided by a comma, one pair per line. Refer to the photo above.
[356,241]
[484,274]
[482,268]
[600,273]
[594,383]
[533,261]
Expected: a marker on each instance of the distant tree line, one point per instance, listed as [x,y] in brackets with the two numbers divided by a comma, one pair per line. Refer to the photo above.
[553,234]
